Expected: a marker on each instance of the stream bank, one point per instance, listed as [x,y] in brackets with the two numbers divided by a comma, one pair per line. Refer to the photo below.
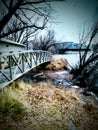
[51,101]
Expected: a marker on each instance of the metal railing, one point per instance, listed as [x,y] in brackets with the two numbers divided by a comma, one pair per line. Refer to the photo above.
[13,65]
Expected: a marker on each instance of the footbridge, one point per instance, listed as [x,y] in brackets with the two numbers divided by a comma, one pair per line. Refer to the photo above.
[15,64]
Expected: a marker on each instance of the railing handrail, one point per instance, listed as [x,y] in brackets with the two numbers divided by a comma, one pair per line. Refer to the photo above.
[22,52]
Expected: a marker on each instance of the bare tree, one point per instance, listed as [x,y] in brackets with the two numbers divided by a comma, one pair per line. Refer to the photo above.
[86,71]
[21,36]
[20,19]
[29,14]
[45,42]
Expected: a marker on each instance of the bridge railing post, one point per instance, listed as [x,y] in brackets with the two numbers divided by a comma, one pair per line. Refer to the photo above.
[36,58]
[23,67]
[40,54]
[10,67]
[43,56]
[31,58]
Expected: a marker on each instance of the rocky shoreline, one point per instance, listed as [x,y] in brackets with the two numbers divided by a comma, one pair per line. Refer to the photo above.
[51,101]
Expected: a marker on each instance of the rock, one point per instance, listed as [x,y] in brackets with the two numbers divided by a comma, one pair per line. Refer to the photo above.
[58,64]
[75,86]
[61,82]
[65,75]
[57,81]
[53,75]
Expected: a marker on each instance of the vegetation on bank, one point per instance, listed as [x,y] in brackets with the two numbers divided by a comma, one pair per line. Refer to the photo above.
[10,107]
[45,106]
[86,71]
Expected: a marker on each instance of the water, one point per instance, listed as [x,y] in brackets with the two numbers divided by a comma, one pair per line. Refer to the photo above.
[71,57]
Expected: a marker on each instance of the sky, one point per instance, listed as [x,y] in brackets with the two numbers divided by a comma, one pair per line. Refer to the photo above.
[72,16]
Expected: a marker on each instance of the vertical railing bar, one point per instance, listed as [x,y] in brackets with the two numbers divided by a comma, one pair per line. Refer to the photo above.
[36,54]
[40,57]
[10,67]
[44,57]
[30,59]
[34,58]
[23,67]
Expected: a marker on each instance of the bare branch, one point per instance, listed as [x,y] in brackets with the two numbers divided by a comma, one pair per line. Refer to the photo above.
[4,2]
[11,4]
[29,3]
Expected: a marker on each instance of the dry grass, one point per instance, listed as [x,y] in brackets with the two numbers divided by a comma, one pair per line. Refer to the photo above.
[47,108]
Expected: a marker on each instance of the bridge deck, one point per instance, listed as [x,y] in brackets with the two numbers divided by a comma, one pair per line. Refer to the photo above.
[13,65]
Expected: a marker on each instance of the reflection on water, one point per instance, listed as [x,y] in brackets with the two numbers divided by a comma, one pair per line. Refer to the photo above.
[72,57]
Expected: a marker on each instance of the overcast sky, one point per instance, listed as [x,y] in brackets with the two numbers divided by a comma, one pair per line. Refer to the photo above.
[71,16]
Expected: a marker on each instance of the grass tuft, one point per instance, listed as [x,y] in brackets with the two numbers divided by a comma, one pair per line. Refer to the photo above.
[10,107]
